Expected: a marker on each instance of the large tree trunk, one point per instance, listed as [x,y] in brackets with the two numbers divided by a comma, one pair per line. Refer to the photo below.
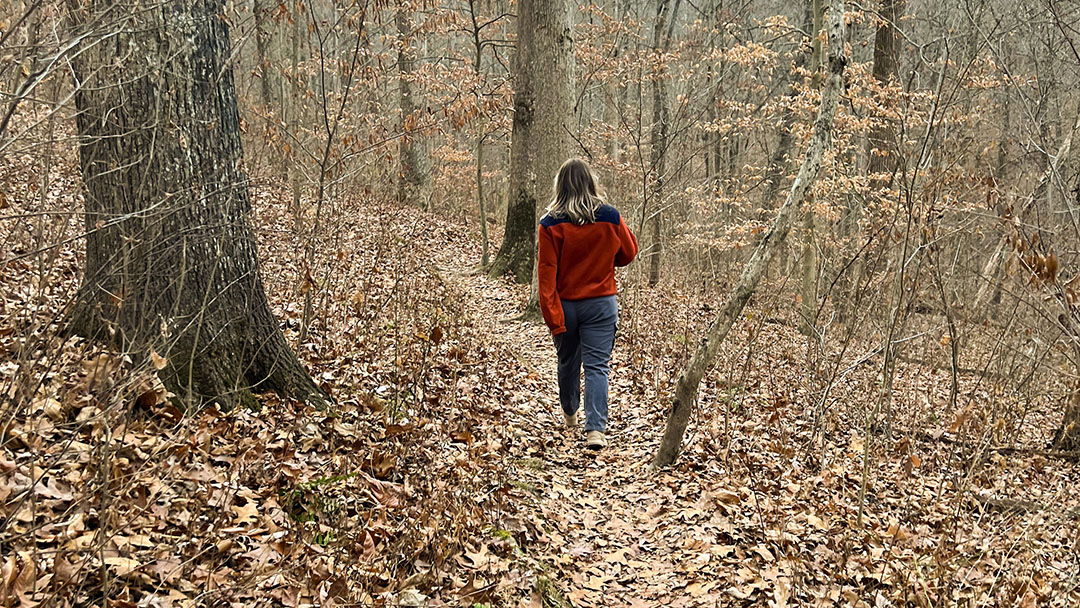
[414,179]
[543,107]
[170,256]
[705,355]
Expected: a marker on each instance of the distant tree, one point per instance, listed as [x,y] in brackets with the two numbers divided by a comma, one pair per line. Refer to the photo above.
[414,183]
[658,135]
[170,256]
[808,274]
[704,356]
[542,73]
[269,89]
[882,138]
[484,126]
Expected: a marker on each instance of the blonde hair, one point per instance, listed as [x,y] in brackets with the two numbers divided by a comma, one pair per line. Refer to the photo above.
[577,195]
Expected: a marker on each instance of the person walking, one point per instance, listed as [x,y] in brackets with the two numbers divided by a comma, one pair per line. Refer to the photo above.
[581,241]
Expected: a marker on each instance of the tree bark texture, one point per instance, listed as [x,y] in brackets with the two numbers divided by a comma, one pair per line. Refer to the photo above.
[414,174]
[543,76]
[170,255]
[705,354]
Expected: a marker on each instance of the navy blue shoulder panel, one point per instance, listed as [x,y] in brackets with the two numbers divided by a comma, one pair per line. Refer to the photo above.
[547,221]
[607,213]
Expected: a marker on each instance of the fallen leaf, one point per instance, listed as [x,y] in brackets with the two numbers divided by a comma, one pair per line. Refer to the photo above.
[122,566]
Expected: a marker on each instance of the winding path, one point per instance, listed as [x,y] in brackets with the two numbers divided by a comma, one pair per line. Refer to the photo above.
[614,534]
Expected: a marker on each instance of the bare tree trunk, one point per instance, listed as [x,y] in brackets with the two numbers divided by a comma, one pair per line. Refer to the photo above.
[170,256]
[881,142]
[543,107]
[808,274]
[1000,173]
[774,174]
[954,335]
[705,355]
[23,71]
[658,137]
[809,260]
[983,306]
[612,87]
[478,57]
[712,173]
[485,257]
[292,120]
[881,148]
[414,176]
[330,120]
[263,53]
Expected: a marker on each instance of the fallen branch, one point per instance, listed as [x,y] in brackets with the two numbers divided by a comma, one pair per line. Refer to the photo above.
[1009,506]
[1067,455]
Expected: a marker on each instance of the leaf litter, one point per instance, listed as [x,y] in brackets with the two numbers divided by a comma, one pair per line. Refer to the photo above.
[442,476]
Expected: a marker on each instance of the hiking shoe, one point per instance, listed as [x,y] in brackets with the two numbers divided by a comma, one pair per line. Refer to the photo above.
[569,421]
[594,440]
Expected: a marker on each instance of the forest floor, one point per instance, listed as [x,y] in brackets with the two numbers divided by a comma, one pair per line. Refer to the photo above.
[752,523]
[443,477]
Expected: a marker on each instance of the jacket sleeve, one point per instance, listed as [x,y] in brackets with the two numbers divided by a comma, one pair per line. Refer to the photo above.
[547,272]
[628,247]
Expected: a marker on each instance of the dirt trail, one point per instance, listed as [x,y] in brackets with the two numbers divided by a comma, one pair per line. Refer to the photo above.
[748,517]
[605,514]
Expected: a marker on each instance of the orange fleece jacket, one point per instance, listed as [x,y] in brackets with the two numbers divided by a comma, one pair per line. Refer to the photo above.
[578,261]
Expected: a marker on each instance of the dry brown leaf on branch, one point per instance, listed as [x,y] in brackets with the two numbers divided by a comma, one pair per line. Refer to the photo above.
[157,360]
